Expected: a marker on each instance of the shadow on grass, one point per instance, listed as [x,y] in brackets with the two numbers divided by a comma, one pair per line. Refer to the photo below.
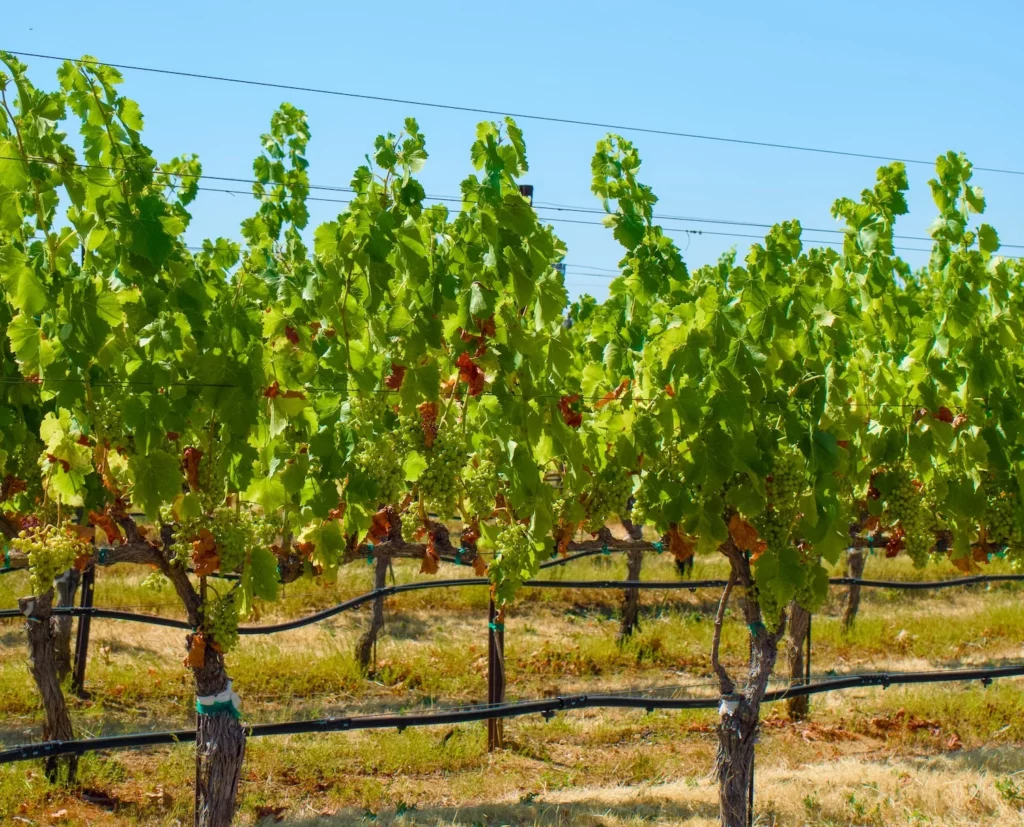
[531,814]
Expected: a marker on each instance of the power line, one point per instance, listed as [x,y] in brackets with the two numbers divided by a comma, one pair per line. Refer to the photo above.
[548,206]
[499,113]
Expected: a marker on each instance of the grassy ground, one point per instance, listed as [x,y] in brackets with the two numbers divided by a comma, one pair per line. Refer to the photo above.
[939,754]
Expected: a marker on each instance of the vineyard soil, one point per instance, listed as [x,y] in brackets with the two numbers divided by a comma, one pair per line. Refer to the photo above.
[931,754]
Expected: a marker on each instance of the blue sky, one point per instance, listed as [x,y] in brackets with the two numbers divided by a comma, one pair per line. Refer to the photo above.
[908,79]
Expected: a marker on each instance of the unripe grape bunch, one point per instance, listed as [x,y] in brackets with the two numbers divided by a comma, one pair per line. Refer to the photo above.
[481,484]
[220,622]
[51,551]
[787,480]
[381,460]
[438,484]
[513,561]
[905,507]
[612,489]
[1002,518]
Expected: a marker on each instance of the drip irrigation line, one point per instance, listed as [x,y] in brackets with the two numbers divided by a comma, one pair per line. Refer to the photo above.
[474,110]
[390,591]
[546,707]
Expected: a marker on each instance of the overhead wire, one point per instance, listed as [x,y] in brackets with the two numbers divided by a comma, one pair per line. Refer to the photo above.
[544,206]
[476,110]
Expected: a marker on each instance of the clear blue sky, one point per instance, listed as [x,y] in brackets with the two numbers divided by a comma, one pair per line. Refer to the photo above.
[911,79]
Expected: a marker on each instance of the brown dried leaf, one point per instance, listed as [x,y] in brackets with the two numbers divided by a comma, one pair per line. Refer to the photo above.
[196,656]
[612,395]
[380,526]
[431,561]
[680,544]
[205,559]
[742,533]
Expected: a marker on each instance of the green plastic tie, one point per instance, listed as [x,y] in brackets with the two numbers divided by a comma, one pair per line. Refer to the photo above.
[103,556]
[605,549]
[754,628]
[554,554]
[658,546]
[219,706]
[496,627]
[7,557]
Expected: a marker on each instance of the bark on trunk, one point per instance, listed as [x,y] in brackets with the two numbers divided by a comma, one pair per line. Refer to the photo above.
[67,587]
[220,749]
[855,569]
[42,665]
[365,646]
[799,624]
[740,712]
[631,598]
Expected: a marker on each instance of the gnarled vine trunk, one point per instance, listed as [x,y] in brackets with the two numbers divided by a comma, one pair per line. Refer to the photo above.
[38,612]
[631,598]
[67,587]
[855,569]
[367,641]
[220,749]
[740,711]
[799,626]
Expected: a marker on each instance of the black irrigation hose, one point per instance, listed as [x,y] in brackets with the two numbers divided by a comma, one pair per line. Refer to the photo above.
[388,591]
[546,707]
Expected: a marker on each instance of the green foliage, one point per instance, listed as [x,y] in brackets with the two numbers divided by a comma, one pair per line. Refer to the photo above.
[403,356]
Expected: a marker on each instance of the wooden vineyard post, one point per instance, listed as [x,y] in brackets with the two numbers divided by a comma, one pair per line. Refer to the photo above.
[495,674]
[66,586]
[798,650]
[82,640]
[855,569]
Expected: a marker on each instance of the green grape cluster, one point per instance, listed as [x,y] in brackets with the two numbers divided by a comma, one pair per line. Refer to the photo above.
[771,609]
[775,528]
[812,592]
[381,460]
[787,479]
[514,561]
[438,484]
[22,464]
[106,417]
[612,488]
[642,495]
[184,534]
[237,533]
[481,485]
[410,430]
[1002,518]
[905,506]
[369,409]
[51,551]
[220,622]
